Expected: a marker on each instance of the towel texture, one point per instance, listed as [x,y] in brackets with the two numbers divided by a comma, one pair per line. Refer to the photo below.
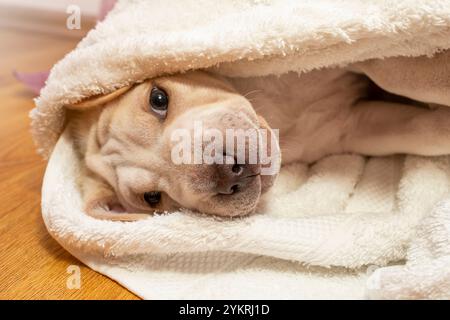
[321,227]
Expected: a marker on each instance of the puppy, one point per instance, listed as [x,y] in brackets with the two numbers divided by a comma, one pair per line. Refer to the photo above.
[125,140]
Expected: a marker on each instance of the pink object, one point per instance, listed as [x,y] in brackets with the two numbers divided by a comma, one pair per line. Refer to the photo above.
[35,81]
[105,7]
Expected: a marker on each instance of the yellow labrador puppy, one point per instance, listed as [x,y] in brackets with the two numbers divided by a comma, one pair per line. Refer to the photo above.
[128,140]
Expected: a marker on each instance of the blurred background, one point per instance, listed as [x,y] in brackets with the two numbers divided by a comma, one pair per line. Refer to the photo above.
[33,37]
[47,16]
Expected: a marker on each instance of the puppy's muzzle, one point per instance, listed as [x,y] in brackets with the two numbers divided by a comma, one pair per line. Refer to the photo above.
[236,177]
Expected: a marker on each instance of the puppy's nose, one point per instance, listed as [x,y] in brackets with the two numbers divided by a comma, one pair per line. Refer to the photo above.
[235,177]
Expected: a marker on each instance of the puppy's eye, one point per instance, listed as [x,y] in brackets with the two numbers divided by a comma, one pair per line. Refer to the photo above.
[159,101]
[152,197]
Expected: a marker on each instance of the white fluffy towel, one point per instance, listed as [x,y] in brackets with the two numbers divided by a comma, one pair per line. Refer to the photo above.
[346,227]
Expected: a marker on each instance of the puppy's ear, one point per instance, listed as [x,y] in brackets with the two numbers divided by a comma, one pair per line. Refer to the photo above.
[98,99]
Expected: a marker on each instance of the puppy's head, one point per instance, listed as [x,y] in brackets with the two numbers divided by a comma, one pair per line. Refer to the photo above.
[182,141]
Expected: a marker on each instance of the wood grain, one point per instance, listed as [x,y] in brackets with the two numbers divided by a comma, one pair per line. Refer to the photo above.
[32,264]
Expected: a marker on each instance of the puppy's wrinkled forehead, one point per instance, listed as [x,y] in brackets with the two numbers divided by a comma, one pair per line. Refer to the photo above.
[193,89]
[131,113]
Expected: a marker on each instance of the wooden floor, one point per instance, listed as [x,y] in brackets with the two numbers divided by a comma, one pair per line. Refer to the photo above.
[32,264]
